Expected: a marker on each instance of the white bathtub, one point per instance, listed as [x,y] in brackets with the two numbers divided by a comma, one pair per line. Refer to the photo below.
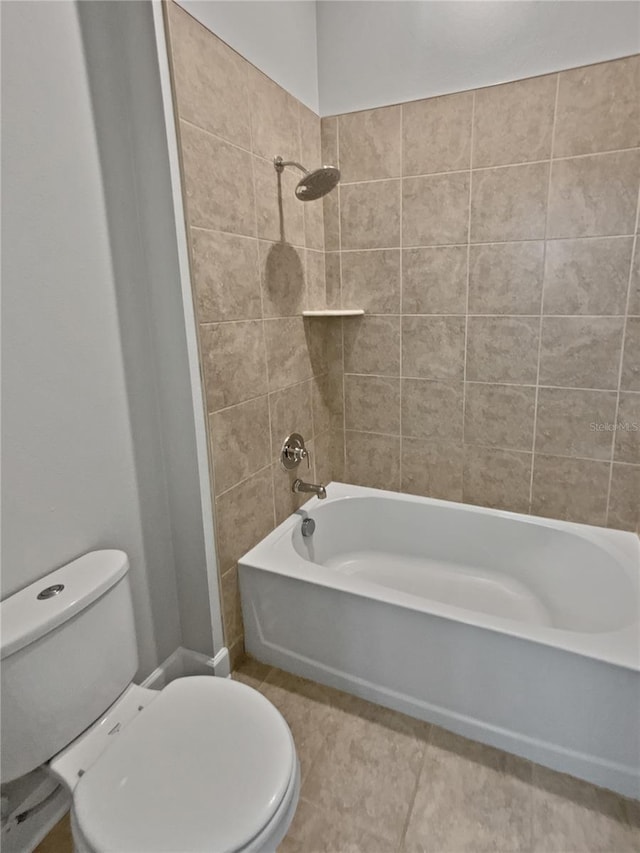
[517,631]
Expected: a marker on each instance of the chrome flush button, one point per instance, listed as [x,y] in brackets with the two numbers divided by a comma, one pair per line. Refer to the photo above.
[50,591]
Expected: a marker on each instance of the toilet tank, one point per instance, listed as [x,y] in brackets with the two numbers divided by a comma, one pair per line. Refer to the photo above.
[68,649]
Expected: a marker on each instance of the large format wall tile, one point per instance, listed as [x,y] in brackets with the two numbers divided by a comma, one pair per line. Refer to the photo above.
[310,141]
[372,403]
[627,439]
[240,442]
[327,399]
[274,118]
[244,516]
[570,489]
[372,460]
[594,196]
[581,352]
[573,422]
[624,498]
[432,410]
[372,345]
[370,215]
[218,182]
[497,478]
[438,306]
[371,280]
[231,606]
[630,378]
[288,356]
[587,276]
[316,289]
[257,260]
[330,202]
[499,415]
[513,123]
[509,203]
[370,144]
[434,280]
[284,284]
[503,349]
[210,80]
[432,468]
[279,214]
[290,410]
[598,108]
[634,293]
[506,278]
[436,134]
[435,209]
[234,363]
[226,276]
[433,347]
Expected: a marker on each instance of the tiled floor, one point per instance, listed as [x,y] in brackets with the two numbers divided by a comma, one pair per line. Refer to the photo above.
[375,781]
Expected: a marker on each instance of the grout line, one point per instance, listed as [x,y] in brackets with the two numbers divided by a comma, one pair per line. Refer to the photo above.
[270,670]
[250,150]
[544,264]
[457,381]
[256,237]
[497,447]
[400,463]
[414,795]
[222,139]
[264,335]
[466,310]
[242,482]
[547,317]
[344,399]
[267,393]
[489,168]
[550,239]
[418,246]
[636,248]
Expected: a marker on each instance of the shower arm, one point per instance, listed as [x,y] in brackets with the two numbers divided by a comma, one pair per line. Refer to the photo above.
[279,163]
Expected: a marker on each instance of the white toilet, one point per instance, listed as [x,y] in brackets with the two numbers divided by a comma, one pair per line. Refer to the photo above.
[207,764]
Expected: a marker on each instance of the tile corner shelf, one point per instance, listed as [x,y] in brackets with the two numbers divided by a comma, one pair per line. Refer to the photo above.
[335,312]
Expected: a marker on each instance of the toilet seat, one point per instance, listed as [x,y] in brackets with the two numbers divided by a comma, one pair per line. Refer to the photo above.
[209,765]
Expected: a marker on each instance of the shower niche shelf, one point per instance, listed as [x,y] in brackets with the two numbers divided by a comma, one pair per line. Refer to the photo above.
[335,312]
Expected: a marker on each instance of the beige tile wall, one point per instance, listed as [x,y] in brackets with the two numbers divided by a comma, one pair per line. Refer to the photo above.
[257,261]
[491,238]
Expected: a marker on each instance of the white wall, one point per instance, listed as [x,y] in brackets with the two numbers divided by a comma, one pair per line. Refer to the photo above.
[124,79]
[85,459]
[377,53]
[278,36]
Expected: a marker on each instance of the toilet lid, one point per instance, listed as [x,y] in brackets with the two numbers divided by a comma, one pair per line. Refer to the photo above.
[203,768]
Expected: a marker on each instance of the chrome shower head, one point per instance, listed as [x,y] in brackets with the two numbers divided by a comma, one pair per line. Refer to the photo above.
[314,184]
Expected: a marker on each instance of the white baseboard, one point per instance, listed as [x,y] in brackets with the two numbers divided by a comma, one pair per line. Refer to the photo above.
[183,662]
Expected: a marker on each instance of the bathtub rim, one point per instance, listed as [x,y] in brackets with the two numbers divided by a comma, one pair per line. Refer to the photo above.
[618,648]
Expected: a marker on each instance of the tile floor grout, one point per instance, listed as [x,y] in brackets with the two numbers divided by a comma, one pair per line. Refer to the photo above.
[534,788]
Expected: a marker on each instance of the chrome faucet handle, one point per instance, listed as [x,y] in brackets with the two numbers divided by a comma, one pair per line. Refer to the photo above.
[293,452]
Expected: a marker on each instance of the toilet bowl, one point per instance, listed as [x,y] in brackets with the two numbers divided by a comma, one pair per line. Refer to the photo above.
[205,765]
